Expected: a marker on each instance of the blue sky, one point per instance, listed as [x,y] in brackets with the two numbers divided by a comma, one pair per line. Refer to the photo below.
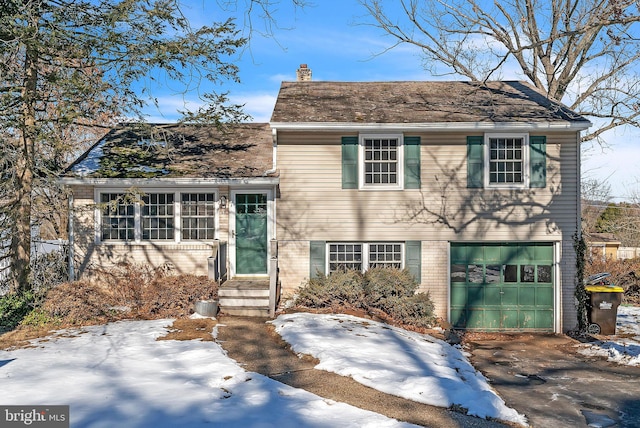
[329,36]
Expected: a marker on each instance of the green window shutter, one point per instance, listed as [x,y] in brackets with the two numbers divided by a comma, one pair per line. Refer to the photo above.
[538,161]
[317,251]
[413,258]
[475,162]
[349,162]
[411,162]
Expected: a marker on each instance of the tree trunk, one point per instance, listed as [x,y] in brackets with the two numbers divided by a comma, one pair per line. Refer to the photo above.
[21,236]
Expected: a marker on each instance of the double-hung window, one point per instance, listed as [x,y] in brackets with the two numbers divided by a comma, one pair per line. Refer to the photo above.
[158,219]
[198,215]
[507,159]
[157,216]
[381,160]
[362,256]
[117,217]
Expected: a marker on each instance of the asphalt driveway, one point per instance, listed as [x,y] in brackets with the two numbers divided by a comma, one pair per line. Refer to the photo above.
[545,378]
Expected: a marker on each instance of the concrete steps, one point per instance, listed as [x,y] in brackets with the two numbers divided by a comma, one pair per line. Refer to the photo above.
[245,297]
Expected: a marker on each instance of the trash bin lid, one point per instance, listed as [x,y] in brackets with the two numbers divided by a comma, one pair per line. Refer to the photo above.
[604,289]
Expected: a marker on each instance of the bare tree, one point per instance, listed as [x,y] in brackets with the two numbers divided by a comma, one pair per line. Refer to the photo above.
[584,53]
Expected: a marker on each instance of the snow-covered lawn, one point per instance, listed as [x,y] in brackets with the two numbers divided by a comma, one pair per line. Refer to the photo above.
[118,375]
[395,361]
[624,347]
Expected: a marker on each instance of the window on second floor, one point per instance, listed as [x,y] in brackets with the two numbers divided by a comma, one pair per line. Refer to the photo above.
[381,161]
[507,160]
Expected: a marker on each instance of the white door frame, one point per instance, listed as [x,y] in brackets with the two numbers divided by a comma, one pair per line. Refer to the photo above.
[232,226]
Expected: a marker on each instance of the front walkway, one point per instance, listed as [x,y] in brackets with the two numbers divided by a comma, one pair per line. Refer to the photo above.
[258,348]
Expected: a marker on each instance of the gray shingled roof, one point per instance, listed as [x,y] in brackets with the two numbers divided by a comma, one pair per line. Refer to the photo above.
[176,150]
[415,102]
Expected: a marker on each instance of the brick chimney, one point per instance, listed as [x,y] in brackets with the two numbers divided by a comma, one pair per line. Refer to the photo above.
[303,74]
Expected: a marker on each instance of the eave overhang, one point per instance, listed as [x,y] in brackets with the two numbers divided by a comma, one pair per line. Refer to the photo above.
[433,126]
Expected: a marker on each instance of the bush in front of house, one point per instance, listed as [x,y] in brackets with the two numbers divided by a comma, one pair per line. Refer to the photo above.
[340,289]
[391,291]
[385,287]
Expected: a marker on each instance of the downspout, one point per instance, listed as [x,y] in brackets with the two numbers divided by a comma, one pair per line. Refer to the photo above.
[71,239]
[274,135]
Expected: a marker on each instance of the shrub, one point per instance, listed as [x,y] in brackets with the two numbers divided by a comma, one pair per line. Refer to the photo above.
[391,291]
[343,288]
[14,306]
[384,287]
[78,302]
[416,310]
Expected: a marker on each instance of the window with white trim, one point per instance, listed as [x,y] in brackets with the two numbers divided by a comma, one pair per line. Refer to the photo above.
[157,216]
[362,256]
[198,214]
[117,217]
[381,160]
[507,158]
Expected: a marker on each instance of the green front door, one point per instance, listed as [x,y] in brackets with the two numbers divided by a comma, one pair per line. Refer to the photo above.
[251,233]
[502,286]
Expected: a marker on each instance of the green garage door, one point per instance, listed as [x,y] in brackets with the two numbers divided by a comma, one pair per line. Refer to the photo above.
[502,286]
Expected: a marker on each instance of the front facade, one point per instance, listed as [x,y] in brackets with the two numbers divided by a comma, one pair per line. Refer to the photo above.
[474,189]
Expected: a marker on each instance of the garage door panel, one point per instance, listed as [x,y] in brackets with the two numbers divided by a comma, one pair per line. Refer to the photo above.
[510,318]
[527,296]
[509,296]
[458,296]
[544,296]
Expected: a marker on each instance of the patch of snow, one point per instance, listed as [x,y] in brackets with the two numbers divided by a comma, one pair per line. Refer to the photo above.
[119,375]
[91,163]
[414,366]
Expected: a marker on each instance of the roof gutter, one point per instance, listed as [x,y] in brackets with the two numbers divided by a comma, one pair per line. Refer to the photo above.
[433,126]
[274,135]
[162,182]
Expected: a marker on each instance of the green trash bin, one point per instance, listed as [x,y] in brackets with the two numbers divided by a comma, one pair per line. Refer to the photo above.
[603,308]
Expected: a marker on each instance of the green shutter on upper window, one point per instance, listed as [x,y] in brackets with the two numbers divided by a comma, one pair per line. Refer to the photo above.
[317,256]
[475,162]
[349,162]
[538,161]
[411,162]
[413,259]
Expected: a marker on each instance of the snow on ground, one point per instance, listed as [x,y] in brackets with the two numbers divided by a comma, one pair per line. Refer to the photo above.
[119,375]
[624,347]
[395,361]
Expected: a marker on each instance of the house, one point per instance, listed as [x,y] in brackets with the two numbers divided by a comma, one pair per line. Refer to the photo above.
[473,188]
[602,245]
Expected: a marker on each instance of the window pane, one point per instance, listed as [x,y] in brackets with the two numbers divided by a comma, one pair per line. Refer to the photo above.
[157,216]
[511,273]
[544,273]
[385,255]
[198,211]
[380,160]
[527,273]
[458,273]
[345,257]
[117,217]
[505,158]
[475,274]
